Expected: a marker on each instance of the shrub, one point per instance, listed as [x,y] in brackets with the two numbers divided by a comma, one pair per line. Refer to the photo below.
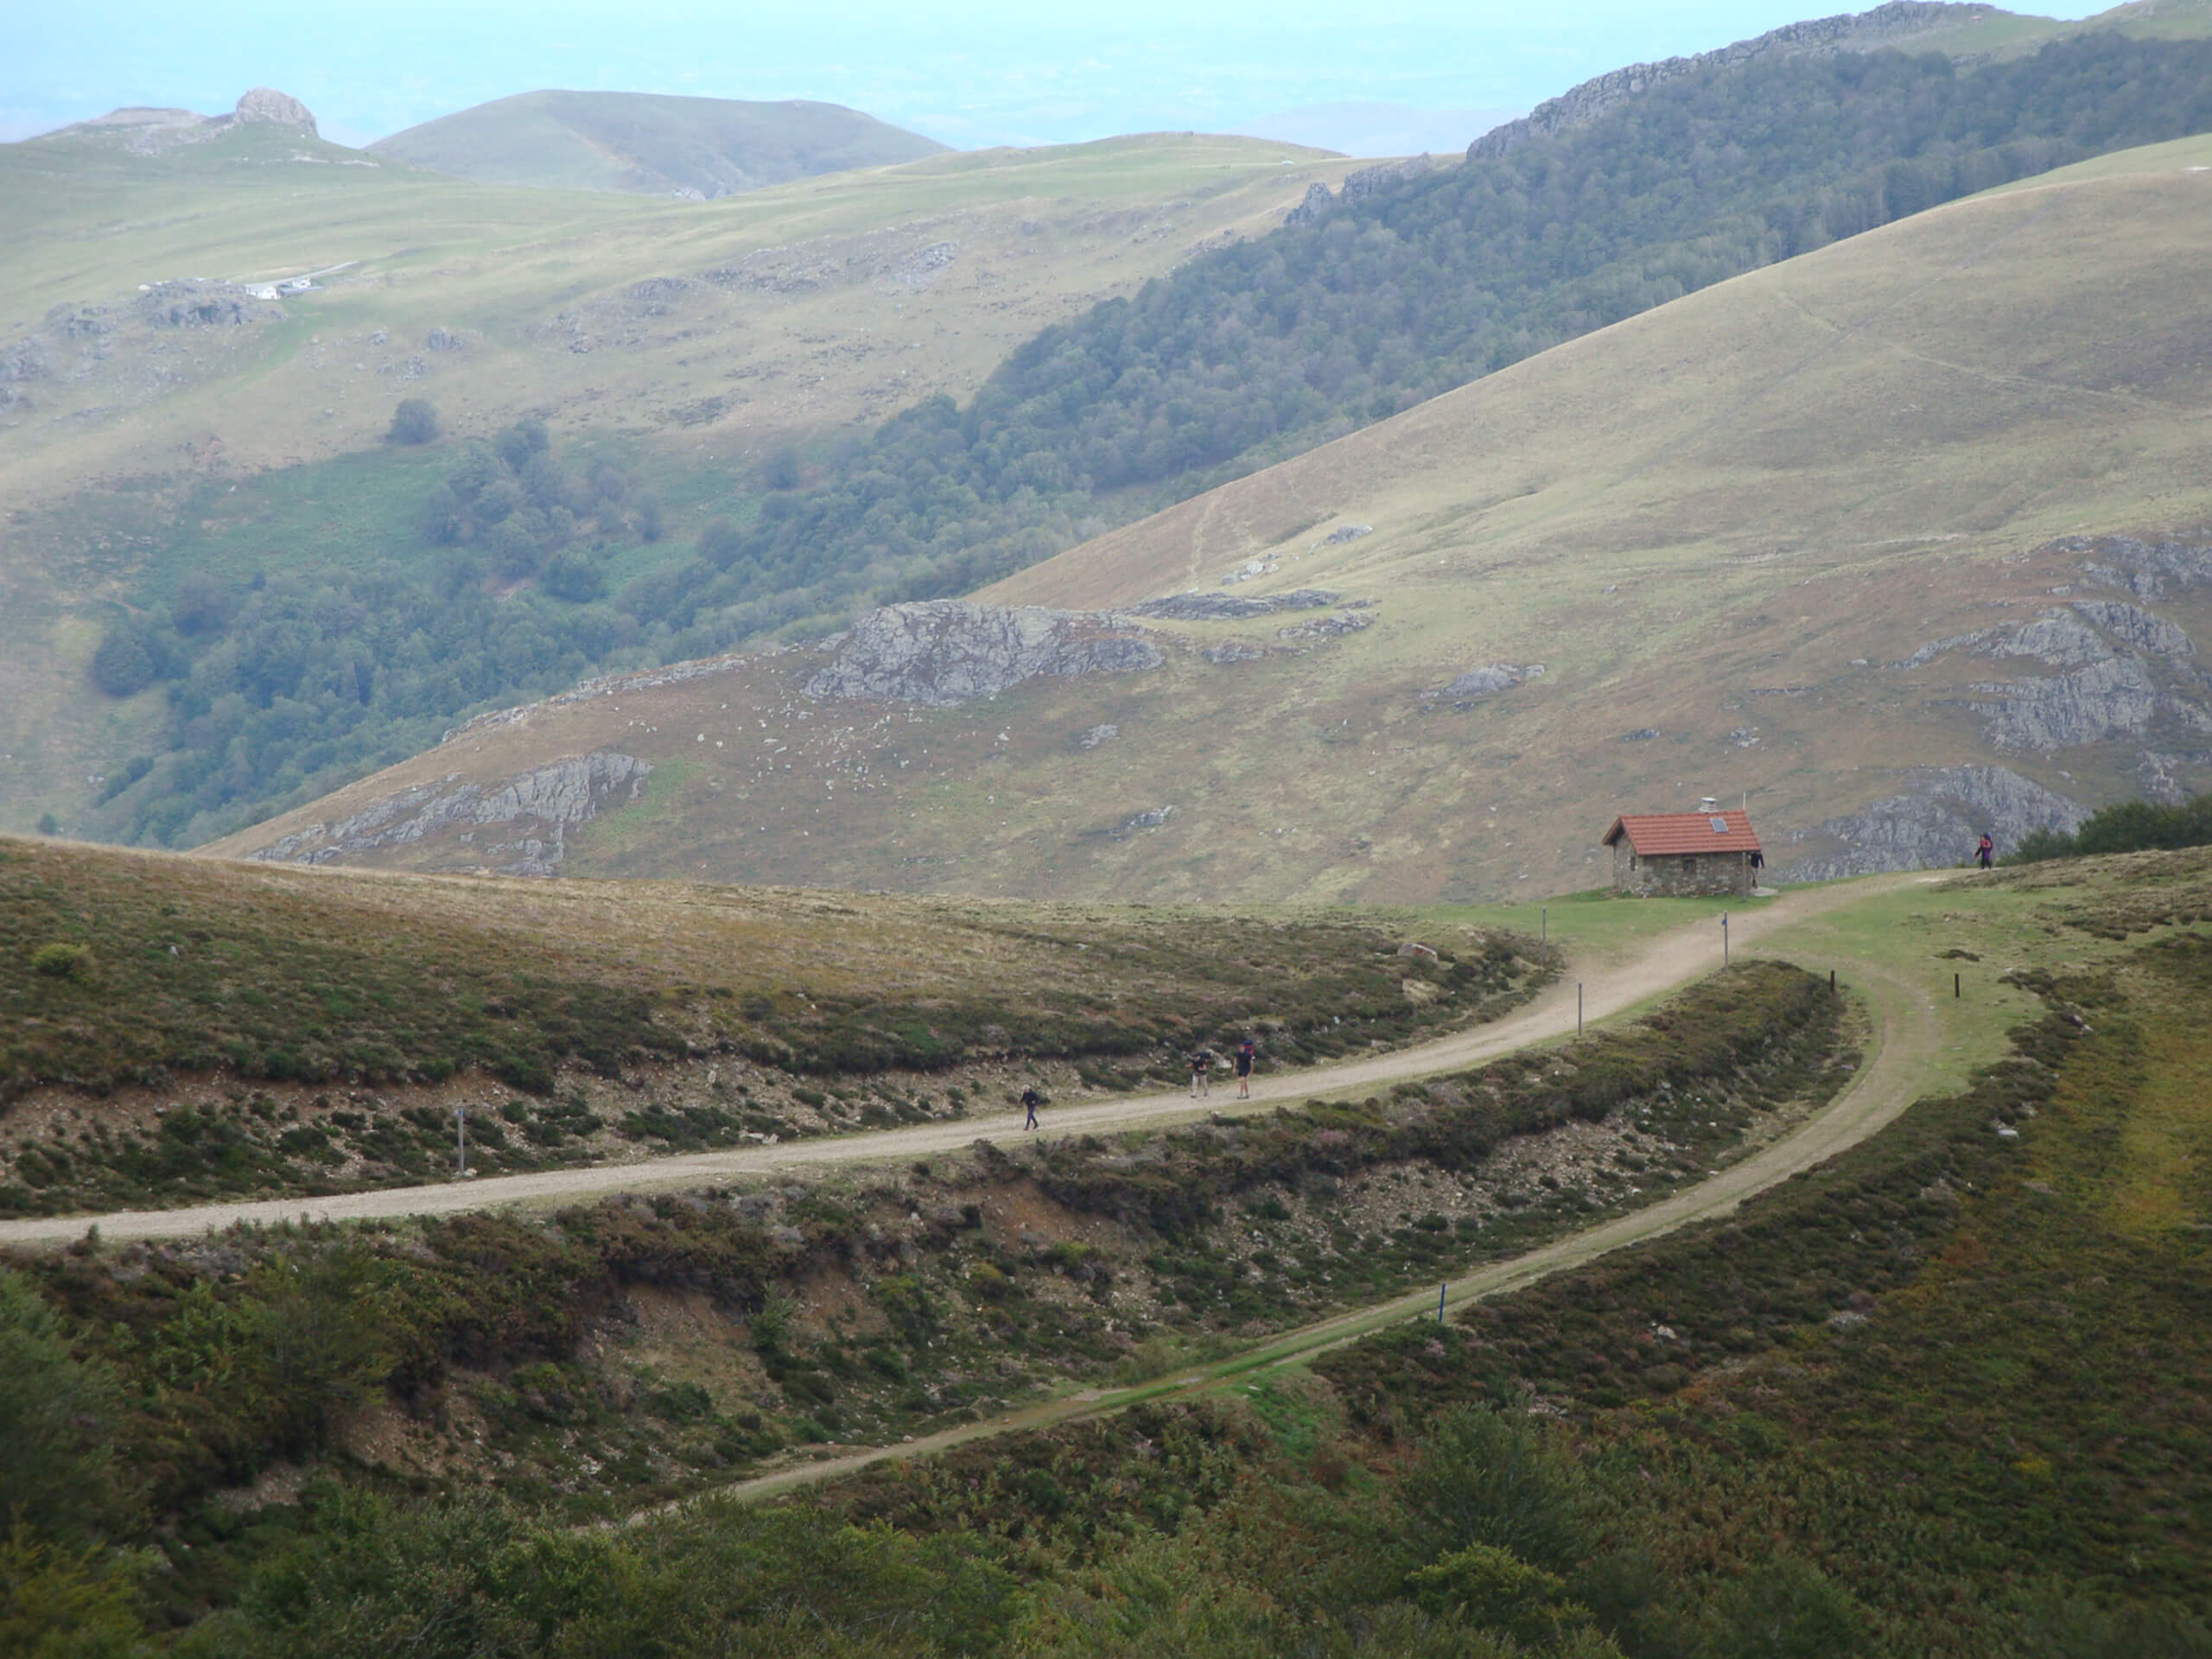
[414,422]
[62,960]
[2130,827]
[123,666]
[573,577]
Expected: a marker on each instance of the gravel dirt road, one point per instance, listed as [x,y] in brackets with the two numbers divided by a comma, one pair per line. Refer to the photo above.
[1609,986]
[1907,1039]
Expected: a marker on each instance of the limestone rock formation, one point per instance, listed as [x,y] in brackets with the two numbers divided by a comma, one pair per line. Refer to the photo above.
[2147,569]
[533,813]
[197,304]
[267,104]
[1935,821]
[1318,198]
[1483,681]
[1370,181]
[945,651]
[1893,24]
[1199,606]
[2121,670]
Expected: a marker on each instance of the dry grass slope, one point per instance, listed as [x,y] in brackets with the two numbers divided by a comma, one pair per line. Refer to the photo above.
[1718,525]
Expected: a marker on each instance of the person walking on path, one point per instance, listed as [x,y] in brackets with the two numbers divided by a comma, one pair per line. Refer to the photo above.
[1031,1100]
[1201,1061]
[1985,852]
[1247,1052]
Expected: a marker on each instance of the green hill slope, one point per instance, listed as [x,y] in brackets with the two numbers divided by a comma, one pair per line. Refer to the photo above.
[1256,348]
[651,144]
[1411,284]
[688,339]
[1792,537]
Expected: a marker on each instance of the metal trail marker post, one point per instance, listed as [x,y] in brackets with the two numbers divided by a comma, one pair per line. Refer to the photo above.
[1544,923]
[460,1142]
[1578,1008]
[1440,1289]
[1724,939]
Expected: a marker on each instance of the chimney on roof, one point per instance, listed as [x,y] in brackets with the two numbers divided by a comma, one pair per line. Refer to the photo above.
[1706,804]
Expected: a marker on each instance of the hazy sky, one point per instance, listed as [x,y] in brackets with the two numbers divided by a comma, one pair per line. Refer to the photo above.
[995,72]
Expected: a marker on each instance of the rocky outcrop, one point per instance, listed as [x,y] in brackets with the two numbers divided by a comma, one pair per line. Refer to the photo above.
[205,305]
[146,131]
[2112,698]
[1935,821]
[1332,626]
[2121,670]
[2147,569]
[942,653]
[533,814]
[1373,181]
[1318,198]
[1894,24]
[1358,185]
[266,105]
[1483,682]
[1231,607]
[2135,627]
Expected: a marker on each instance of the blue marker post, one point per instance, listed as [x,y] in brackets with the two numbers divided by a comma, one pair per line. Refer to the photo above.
[1440,1303]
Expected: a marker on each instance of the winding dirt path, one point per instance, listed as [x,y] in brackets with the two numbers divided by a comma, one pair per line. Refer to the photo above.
[1609,987]
[1907,1037]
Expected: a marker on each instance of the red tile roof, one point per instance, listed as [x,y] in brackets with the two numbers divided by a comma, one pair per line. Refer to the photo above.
[1656,835]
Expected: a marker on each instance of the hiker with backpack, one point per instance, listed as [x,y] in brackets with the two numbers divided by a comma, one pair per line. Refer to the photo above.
[1201,1063]
[1247,1052]
[1031,1100]
[1985,852]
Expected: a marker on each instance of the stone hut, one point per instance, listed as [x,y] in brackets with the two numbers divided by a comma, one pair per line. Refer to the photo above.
[1681,854]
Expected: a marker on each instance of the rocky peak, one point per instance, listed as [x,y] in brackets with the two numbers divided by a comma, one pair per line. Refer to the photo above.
[265,103]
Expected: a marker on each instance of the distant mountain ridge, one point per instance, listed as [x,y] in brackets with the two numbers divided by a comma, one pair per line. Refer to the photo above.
[1967,32]
[147,131]
[648,144]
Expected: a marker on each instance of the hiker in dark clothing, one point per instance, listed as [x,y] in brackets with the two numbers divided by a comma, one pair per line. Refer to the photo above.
[1031,1100]
[1985,852]
[1247,1052]
[1201,1062]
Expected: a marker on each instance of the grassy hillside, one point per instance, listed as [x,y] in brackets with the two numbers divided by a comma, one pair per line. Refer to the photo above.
[1723,528]
[1416,284]
[1942,1395]
[651,144]
[1249,350]
[220,1008]
[686,339]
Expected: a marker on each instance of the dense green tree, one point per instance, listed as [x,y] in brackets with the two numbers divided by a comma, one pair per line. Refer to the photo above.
[414,422]
[58,1471]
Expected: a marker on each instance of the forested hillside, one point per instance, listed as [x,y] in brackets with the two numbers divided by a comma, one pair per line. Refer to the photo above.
[1263,349]
[1244,355]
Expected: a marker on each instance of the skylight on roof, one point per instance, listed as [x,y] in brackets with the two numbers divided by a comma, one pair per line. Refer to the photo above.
[1720,825]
